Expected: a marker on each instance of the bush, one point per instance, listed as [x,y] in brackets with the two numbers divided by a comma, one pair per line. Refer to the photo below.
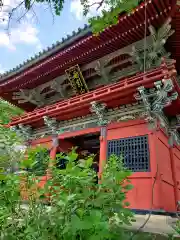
[36,161]
[79,208]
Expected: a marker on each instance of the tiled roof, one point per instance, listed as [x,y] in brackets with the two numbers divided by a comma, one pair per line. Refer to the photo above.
[81,32]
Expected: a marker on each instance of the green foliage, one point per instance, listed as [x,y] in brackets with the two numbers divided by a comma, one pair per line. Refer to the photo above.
[177,227]
[109,17]
[36,161]
[56,4]
[80,208]
[7,111]
[89,211]
[8,139]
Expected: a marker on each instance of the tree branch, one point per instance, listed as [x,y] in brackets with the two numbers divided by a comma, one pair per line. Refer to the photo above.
[34,13]
[27,10]
[51,10]
[97,3]
[11,14]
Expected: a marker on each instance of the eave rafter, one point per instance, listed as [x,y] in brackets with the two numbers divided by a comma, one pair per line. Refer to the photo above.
[103,68]
[110,37]
[100,75]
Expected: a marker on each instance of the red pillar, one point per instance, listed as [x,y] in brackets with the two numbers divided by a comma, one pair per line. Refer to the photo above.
[53,151]
[103,150]
[53,155]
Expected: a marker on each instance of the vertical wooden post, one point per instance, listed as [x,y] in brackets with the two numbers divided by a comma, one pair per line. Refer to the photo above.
[174,177]
[103,150]
[155,171]
[55,144]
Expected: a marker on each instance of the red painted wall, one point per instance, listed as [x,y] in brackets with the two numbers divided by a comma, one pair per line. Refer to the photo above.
[165,173]
[140,196]
[149,193]
[158,189]
[65,145]
[46,142]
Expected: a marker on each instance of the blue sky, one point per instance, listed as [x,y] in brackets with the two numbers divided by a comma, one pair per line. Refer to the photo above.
[35,33]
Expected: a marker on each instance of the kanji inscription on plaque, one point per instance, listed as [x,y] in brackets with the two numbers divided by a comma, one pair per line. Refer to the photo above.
[76,80]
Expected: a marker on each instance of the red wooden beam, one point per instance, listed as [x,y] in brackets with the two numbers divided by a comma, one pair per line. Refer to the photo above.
[135,78]
[106,94]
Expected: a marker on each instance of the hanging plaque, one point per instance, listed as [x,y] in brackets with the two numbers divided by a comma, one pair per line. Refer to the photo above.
[76,80]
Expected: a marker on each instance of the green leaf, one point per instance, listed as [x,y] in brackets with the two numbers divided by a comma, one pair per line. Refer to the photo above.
[80,212]
[61,203]
[72,156]
[129,187]
[71,197]
[127,204]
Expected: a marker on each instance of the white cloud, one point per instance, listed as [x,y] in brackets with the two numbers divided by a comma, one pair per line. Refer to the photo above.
[77,10]
[8,5]
[24,32]
[2,70]
[5,41]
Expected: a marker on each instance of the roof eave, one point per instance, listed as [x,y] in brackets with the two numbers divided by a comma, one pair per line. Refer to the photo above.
[48,53]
